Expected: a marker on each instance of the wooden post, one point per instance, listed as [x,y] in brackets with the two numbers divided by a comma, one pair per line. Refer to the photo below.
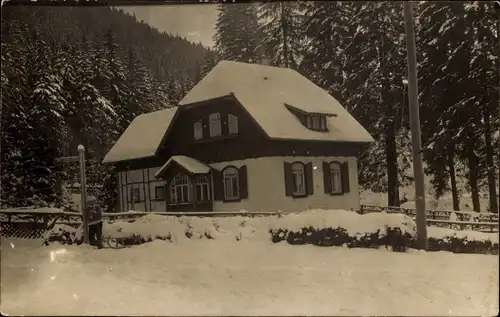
[418,169]
[83,192]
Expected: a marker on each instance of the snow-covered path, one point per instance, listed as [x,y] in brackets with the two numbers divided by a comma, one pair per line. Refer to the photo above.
[243,278]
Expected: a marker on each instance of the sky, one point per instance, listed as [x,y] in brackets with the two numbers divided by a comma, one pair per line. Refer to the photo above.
[194,22]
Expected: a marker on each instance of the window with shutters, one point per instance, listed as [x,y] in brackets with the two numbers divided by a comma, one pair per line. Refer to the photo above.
[233,124]
[136,195]
[202,188]
[336,178]
[160,192]
[180,190]
[230,182]
[298,178]
[215,124]
[198,130]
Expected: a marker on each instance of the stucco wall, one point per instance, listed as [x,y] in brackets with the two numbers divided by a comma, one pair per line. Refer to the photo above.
[266,186]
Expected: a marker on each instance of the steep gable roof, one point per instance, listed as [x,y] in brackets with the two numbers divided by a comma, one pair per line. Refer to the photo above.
[142,137]
[264,91]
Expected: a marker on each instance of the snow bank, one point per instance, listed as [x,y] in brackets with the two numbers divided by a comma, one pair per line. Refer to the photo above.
[354,223]
[446,234]
[179,228]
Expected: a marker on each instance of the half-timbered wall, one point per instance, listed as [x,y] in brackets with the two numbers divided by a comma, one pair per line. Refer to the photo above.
[143,182]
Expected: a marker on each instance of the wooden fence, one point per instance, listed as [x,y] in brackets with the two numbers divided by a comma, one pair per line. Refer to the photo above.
[33,223]
[485,222]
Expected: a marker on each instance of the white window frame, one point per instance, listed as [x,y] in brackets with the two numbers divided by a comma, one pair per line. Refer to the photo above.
[215,124]
[198,130]
[230,180]
[201,183]
[299,179]
[336,178]
[177,186]
[232,122]
[315,122]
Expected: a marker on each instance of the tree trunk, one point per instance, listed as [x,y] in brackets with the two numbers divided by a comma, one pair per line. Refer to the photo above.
[473,177]
[392,163]
[453,179]
[489,162]
[285,34]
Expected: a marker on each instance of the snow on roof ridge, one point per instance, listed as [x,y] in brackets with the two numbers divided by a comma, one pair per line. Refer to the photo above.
[192,165]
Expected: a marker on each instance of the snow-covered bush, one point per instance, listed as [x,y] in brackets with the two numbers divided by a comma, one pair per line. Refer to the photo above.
[63,234]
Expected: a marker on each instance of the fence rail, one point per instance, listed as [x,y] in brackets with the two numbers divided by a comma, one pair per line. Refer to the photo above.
[31,222]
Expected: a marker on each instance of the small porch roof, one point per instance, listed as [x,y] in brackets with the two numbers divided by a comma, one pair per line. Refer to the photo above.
[190,164]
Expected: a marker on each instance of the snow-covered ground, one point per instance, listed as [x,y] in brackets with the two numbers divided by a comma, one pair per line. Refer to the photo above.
[249,277]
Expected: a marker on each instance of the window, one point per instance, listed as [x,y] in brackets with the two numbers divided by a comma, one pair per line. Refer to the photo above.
[215,124]
[136,195]
[230,182]
[180,190]
[323,122]
[315,122]
[336,178]
[298,175]
[202,188]
[309,123]
[233,124]
[198,130]
[160,192]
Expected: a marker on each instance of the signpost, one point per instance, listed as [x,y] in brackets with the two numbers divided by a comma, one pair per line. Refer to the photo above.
[83,182]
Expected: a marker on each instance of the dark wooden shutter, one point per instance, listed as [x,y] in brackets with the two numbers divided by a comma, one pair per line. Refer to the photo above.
[243,179]
[288,179]
[344,170]
[309,179]
[327,178]
[217,184]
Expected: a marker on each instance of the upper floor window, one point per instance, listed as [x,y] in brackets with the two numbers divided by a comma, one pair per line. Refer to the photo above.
[233,124]
[198,130]
[299,179]
[315,122]
[323,123]
[231,183]
[309,122]
[336,178]
[215,124]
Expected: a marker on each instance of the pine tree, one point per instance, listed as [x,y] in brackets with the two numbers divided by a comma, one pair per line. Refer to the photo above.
[236,36]
[281,32]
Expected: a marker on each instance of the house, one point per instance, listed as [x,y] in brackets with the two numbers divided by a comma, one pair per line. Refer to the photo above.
[247,136]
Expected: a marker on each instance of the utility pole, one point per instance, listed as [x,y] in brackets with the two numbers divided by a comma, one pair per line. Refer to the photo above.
[83,192]
[418,168]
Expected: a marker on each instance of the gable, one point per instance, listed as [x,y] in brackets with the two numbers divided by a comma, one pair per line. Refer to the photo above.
[265,91]
[142,137]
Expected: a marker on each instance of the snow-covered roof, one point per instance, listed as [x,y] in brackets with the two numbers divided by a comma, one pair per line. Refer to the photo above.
[190,164]
[265,90]
[142,137]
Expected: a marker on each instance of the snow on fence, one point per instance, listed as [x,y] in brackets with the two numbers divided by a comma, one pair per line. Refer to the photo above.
[462,220]
[15,221]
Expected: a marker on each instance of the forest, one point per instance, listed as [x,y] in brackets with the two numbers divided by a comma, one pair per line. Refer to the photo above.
[74,75]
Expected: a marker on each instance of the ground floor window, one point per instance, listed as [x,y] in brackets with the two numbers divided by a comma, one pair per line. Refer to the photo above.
[202,188]
[180,190]
[231,183]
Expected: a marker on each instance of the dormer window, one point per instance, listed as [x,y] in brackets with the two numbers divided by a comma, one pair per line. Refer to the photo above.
[316,122]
